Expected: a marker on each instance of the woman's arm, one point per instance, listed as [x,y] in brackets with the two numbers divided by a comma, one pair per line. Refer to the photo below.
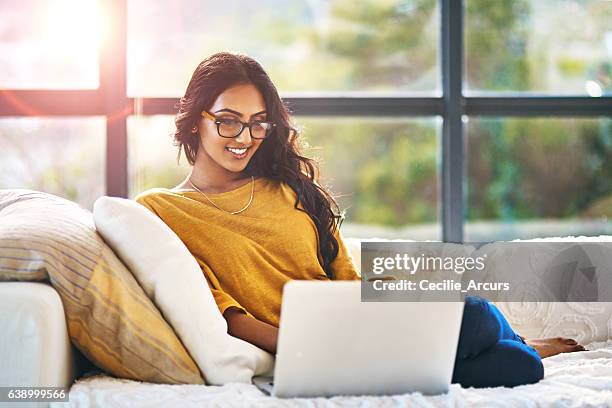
[343,266]
[247,328]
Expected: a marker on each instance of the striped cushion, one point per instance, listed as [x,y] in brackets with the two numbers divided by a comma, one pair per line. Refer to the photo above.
[110,318]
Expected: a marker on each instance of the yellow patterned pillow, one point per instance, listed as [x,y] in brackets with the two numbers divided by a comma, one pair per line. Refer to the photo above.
[109,317]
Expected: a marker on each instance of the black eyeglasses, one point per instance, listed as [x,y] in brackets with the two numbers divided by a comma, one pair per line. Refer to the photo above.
[231,127]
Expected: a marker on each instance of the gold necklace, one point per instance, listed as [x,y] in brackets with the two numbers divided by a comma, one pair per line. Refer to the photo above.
[229,212]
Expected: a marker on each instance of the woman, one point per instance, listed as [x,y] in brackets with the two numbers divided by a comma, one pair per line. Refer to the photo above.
[253,215]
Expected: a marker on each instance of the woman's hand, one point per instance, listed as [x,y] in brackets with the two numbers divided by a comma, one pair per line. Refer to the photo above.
[247,328]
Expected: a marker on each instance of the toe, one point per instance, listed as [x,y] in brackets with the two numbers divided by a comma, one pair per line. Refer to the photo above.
[578,347]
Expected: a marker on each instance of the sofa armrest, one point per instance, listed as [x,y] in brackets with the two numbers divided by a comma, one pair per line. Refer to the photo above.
[35,349]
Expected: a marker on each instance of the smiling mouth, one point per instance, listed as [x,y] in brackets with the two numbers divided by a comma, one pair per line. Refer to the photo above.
[236,152]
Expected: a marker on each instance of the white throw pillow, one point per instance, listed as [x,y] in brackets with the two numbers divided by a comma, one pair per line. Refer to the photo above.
[172,278]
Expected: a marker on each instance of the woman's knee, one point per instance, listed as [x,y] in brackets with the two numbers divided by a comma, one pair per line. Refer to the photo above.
[525,361]
[508,363]
[528,363]
[480,327]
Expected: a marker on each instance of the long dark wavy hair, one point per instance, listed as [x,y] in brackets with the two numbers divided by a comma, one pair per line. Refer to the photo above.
[278,157]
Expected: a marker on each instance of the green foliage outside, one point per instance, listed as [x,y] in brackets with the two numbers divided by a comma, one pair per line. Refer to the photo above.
[516,168]
[539,168]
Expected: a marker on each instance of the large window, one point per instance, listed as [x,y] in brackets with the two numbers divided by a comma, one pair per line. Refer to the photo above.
[449,119]
[305,46]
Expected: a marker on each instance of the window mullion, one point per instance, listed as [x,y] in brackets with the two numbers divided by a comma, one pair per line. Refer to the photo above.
[113,69]
[452,130]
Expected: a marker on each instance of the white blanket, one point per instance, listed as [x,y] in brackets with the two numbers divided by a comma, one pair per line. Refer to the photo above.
[571,380]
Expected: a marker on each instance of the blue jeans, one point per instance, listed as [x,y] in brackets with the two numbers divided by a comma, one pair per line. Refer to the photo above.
[490,354]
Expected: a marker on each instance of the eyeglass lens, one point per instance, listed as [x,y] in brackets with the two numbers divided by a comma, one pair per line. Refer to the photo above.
[231,128]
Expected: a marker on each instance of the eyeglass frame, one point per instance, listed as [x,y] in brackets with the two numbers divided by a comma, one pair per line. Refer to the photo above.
[217,121]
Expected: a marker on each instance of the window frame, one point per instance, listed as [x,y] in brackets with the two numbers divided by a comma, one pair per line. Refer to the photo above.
[111,101]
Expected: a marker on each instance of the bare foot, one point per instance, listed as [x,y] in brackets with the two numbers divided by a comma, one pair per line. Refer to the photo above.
[554,345]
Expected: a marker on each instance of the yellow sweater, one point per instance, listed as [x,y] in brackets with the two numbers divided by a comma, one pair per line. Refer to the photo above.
[248,257]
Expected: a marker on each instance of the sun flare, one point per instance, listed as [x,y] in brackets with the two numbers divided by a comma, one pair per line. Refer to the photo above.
[72,28]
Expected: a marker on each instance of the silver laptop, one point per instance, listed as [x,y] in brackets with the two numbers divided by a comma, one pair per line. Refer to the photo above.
[330,343]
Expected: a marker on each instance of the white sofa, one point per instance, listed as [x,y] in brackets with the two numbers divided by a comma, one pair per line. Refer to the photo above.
[35,351]
[34,342]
